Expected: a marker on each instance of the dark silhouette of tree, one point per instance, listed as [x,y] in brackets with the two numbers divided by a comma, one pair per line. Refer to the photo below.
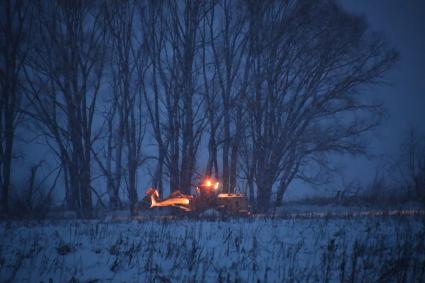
[171,91]
[309,60]
[15,26]
[271,89]
[125,127]
[65,72]
[228,41]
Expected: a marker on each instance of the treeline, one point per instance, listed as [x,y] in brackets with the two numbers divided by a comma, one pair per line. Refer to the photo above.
[267,90]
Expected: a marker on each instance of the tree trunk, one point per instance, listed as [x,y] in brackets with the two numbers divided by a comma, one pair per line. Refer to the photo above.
[86,193]
[264,194]
[212,154]
[188,157]
[174,164]
[132,191]
[8,110]
[13,33]
[251,196]
[226,138]
[7,163]
[111,181]
[157,179]
[279,196]
[233,167]
[235,151]
[117,175]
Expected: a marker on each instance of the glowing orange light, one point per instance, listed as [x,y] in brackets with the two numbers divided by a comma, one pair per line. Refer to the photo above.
[208,183]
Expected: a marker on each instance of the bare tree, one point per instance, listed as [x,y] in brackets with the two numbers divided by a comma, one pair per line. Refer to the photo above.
[175,106]
[65,73]
[185,37]
[275,87]
[309,60]
[15,26]
[152,22]
[125,116]
[228,38]
[212,107]
[111,165]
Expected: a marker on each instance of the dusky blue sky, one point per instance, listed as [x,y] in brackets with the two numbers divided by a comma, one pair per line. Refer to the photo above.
[403,24]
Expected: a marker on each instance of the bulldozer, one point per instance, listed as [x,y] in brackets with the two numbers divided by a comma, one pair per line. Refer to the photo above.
[207,198]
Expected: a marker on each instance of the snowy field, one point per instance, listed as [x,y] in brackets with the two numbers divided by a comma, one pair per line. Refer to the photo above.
[373,249]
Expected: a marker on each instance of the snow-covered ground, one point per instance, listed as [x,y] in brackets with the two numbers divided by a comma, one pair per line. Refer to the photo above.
[366,249]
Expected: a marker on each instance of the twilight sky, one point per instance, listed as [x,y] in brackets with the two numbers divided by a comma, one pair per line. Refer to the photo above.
[403,24]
